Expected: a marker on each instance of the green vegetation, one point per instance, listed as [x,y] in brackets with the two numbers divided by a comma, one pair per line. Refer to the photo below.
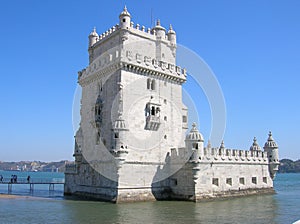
[289,166]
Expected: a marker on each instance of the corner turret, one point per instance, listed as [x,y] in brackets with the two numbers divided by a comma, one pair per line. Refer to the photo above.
[119,138]
[194,143]
[255,146]
[172,35]
[271,148]
[93,37]
[159,31]
[125,19]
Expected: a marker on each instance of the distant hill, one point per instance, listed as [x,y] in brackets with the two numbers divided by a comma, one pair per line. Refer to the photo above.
[289,166]
[34,166]
[286,166]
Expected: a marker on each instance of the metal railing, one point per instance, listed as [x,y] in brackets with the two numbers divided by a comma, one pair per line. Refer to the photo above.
[32,181]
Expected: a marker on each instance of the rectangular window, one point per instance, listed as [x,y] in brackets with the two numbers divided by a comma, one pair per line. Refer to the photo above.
[184,119]
[242,180]
[116,135]
[254,180]
[173,182]
[97,138]
[215,181]
[265,180]
[229,181]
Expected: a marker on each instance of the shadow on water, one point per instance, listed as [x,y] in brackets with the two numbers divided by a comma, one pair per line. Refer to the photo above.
[253,209]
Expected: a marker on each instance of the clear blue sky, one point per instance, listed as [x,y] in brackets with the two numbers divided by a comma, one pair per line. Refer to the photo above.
[252,47]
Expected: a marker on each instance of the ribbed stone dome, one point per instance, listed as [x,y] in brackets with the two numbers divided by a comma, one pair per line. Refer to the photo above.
[255,146]
[94,33]
[270,142]
[158,26]
[194,134]
[171,31]
[119,124]
[125,12]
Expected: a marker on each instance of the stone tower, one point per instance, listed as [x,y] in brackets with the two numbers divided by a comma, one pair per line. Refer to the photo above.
[132,113]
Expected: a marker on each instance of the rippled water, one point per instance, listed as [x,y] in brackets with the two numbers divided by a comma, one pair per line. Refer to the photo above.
[282,207]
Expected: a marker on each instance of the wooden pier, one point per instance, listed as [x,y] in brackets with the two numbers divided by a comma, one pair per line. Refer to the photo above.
[43,181]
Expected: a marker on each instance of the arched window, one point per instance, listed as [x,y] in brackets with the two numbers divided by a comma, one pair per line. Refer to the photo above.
[157,111]
[153,111]
[148,83]
[97,138]
[153,84]
[147,110]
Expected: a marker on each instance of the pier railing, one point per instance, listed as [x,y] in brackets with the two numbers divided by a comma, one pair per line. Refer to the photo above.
[31,182]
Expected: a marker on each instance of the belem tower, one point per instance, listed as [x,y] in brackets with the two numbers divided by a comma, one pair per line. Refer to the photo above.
[133,142]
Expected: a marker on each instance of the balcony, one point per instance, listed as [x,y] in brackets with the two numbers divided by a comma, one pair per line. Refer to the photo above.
[152,123]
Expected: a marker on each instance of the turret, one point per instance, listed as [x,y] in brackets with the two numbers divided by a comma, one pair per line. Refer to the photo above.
[222,149]
[194,143]
[159,31]
[255,146]
[93,37]
[271,148]
[124,19]
[119,136]
[172,35]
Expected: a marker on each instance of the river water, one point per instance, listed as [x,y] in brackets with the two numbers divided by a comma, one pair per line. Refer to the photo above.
[52,207]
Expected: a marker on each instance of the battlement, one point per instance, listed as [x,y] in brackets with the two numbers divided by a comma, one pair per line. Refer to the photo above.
[232,155]
[137,30]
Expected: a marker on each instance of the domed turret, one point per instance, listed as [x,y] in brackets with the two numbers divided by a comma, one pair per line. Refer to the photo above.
[194,143]
[270,142]
[171,35]
[119,123]
[194,134]
[255,146]
[124,19]
[93,37]
[271,148]
[160,31]
[119,134]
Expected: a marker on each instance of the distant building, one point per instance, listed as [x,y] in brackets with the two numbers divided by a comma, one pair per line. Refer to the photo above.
[132,144]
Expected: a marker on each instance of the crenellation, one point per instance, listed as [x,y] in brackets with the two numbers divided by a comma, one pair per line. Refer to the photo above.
[227,155]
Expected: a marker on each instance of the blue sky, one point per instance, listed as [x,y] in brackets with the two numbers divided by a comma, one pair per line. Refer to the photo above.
[252,47]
